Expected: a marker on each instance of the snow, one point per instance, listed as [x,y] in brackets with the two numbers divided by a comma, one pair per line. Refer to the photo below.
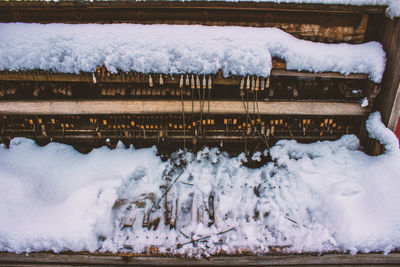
[364,102]
[324,196]
[175,49]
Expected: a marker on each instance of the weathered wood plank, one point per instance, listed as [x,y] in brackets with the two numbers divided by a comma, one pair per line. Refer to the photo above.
[295,7]
[81,107]
[389,99]
[34,259]
[87,77]
[327,23]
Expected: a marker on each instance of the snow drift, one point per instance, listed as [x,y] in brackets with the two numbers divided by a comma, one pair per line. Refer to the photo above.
[323,196]
[175,49]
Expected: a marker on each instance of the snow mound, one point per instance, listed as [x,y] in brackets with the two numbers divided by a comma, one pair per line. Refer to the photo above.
[177,49]
[325,196]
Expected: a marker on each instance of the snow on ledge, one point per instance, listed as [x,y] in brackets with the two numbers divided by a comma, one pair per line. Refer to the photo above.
[177,49]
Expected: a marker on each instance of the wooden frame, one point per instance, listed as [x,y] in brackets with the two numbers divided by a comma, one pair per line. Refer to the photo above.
[121,259]
[42,76]
[80,107]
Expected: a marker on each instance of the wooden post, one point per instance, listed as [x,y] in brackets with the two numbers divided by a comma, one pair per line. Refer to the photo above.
[389,99]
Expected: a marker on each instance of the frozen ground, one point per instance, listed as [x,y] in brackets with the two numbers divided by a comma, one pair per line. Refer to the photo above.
[177,49]
[317,197]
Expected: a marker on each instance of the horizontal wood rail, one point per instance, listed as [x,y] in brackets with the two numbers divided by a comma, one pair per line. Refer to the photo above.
[324,23]
[42,76]
[293,7]
[81,107]
[121,259]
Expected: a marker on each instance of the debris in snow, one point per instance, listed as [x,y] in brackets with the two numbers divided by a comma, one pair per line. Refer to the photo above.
[324,196]
[364,102]
[177,49]
[256,156]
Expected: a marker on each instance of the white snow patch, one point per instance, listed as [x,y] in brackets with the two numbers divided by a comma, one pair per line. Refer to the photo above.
[177,49]
[314,197]
[364,102]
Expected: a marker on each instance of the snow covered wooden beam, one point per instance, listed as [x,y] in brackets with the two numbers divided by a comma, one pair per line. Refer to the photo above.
[81,107]
[176,49]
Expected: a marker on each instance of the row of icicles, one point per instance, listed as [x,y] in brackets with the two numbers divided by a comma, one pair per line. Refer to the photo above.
[253,84]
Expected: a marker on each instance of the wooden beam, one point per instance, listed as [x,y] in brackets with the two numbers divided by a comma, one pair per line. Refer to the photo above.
[97,259]
[358,76]
[388,101]
[42,76]
[175,107]
[170,138]
[395,112]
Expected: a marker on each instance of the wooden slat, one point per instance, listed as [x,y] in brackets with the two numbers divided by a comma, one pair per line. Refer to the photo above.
[318,75]
[293,7]
[325,23]
[389,99]
[87,77]
[173,106]
[171,138]
[33,259]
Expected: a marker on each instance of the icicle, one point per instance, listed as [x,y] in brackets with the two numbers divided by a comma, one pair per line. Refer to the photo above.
[192,82]
[209,82]
[295,92]
[161,80]
[187,81]
[252,83]
[197,82]
[181,82]
[271,92]
[94,78]
[257,84]
[248,82]
[242,83]
[204,82]
[267,84]
[262,85]
[150,81]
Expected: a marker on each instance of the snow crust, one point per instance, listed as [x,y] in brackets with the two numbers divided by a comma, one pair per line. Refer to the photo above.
[177,49]
[314,197]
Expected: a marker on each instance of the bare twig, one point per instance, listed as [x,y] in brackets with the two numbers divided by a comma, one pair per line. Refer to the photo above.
[293,221]
[169,187]
[203,238]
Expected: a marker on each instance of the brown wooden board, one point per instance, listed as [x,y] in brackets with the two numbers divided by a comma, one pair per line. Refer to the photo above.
[388,102]
[97,259]
[326,23]
[175,107]
[143,78]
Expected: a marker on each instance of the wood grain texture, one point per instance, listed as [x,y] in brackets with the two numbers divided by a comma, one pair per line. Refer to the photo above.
[325,23]
[41,76]
[34,259]
[389,99]
[175,107]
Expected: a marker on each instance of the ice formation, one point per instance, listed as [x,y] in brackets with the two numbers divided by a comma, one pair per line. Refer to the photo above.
[324,196]
[177,49]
